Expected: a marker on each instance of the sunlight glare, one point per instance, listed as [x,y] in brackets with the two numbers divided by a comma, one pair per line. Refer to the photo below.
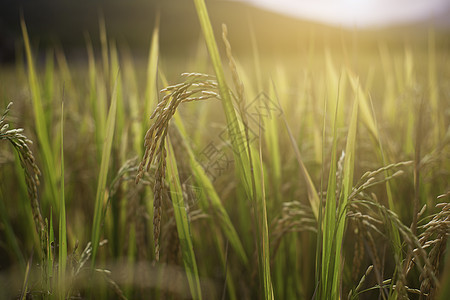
[358,13]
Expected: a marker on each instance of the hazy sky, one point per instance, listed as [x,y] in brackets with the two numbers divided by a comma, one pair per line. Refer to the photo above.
[359,13]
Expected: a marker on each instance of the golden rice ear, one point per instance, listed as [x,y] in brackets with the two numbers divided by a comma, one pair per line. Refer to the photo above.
[31,171]
[197,87]
[158,197]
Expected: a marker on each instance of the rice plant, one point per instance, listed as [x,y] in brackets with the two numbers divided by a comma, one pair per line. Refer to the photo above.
[239,178]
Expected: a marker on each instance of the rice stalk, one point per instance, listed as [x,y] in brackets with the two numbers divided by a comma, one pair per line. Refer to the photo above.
[388,283]
[353,294]
[107,276]
[426,263]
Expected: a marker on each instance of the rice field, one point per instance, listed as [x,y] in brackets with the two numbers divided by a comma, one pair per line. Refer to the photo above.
[225,177]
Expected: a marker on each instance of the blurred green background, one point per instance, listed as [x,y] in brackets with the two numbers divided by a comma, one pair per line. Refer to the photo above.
[65,24]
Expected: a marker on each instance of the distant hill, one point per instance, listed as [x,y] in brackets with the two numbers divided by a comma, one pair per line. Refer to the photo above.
[65,23]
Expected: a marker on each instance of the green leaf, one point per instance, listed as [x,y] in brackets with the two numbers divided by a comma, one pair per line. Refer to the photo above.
[182,222]
[103,175]
[62,257]
[40,122]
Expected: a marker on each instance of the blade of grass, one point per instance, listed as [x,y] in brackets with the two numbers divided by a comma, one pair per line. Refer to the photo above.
[62,257]
[202,179]
[268,289]
[329,225]
[120,118]
[232,121]
[182,222]
[409,83]
[131,84]
[50,256]
[333,84]
[272,138]
[256,57]
[433,84]
[152,76]
[101,186]
[48,86]
[364,107]
[347,184]
[24,293]
[96,99]
[104,47]
[390,108]
[119,146]
[40,123]
[319,239]
[66,77]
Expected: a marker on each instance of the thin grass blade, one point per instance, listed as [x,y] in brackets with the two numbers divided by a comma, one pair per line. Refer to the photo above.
[182,222]
[24,293]
[329,222]
[101,186]
[40,122]
[202,179]
[62,257]
[347,184]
